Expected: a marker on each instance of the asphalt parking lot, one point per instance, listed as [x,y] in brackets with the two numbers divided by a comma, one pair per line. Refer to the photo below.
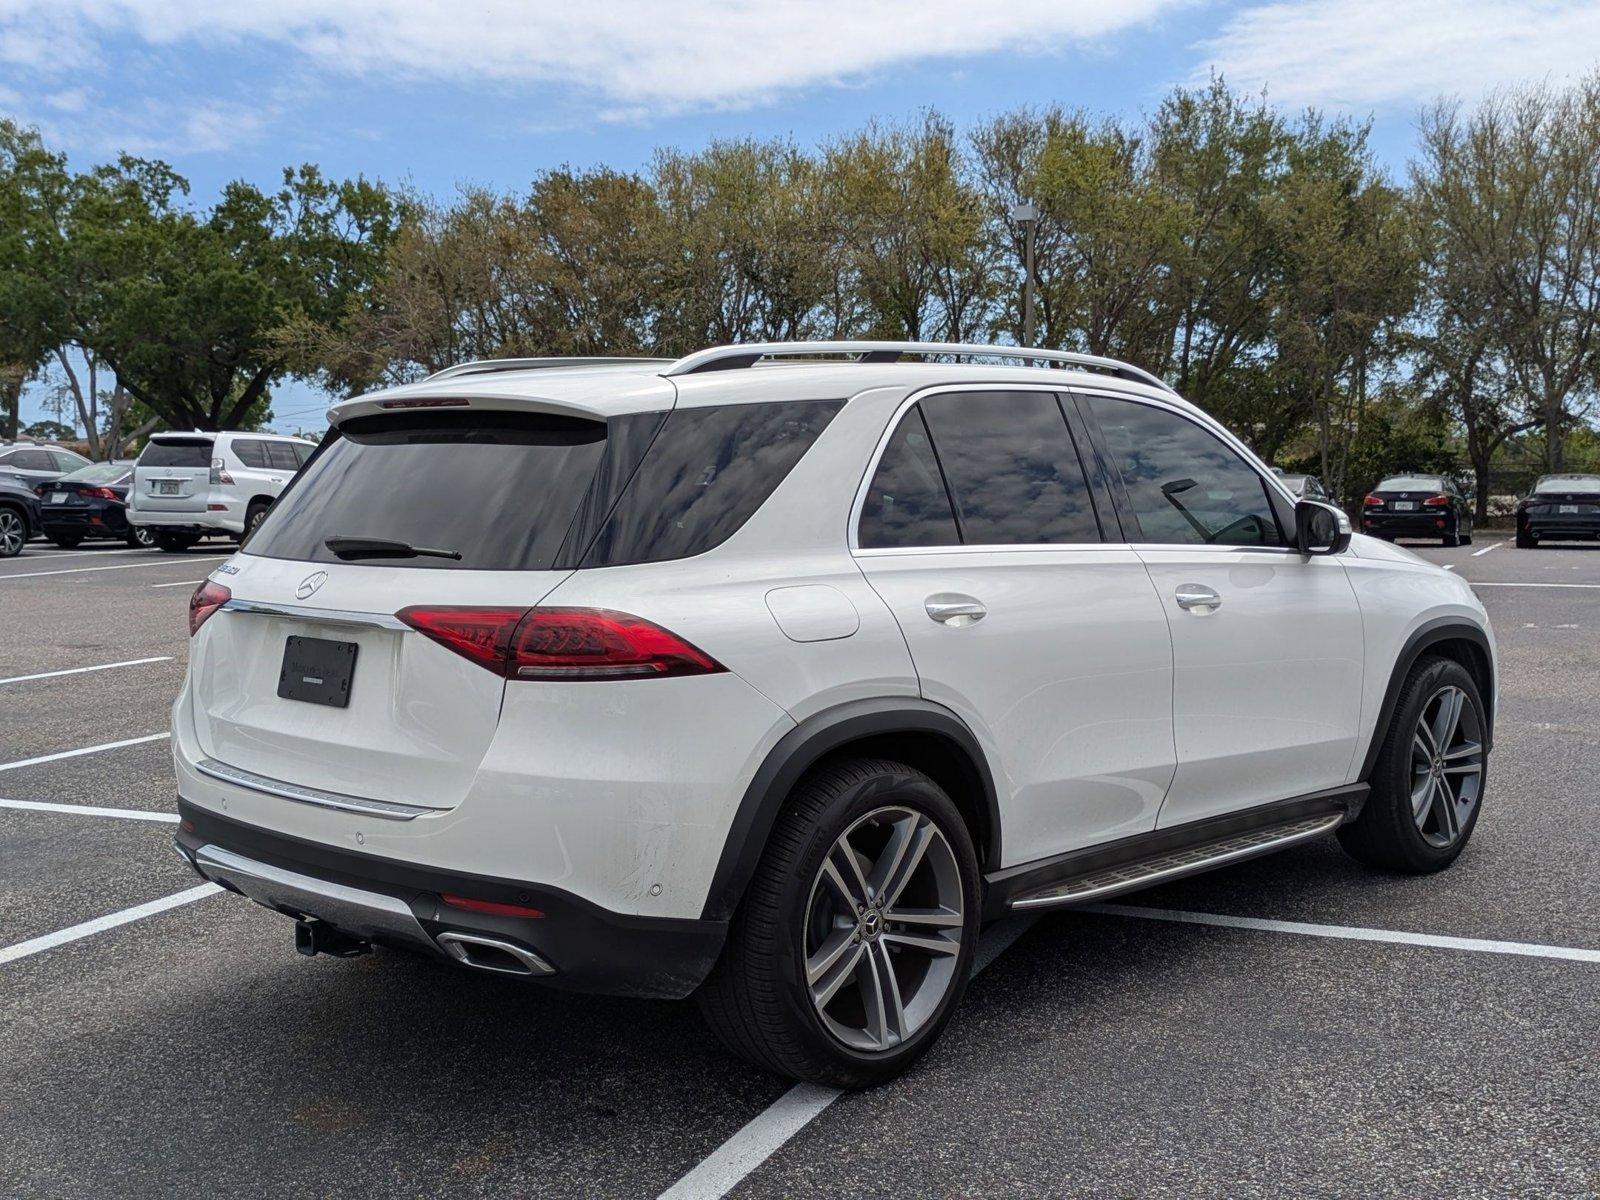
[1295,1026]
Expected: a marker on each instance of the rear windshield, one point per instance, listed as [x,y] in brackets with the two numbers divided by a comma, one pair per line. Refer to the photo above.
[500,489]
[1585,483]
[99,473]
[1411,483]
[177,452]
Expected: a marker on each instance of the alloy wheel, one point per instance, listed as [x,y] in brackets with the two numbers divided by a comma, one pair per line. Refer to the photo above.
[883,929]
[12,534]
[1446,766]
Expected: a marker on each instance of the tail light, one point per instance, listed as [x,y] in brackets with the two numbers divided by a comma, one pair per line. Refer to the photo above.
[1373,502]
[1437,502]
[493,907]
[569,644]
[101,493]
[218,475]
[207,598]
[1525,505]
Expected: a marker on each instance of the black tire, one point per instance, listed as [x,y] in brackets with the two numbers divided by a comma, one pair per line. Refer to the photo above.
[756,999]
[1386,835]
[1526,540]
[175,543]
[67,541]
[14,531]
[139,537]
[253,516]
[1466,538]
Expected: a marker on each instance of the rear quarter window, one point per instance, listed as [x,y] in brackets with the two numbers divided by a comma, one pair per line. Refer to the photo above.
[705,474]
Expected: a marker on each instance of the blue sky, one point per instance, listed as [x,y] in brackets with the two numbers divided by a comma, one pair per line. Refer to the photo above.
[436,94]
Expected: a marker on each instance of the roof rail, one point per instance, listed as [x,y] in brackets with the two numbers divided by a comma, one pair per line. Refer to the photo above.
[489,365]
[729,358]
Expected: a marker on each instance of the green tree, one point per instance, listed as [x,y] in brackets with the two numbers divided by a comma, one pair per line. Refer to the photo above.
[187,308]
[35,188]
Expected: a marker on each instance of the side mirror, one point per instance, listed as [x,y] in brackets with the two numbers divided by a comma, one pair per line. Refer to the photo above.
[1320,528]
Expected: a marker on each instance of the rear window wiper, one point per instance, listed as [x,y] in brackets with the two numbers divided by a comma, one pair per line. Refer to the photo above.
[349,548]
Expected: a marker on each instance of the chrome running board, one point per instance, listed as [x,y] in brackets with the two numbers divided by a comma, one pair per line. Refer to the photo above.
[1110,881]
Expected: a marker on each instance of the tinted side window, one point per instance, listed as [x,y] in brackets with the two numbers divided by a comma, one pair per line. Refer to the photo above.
[1012,468]
[301,453]
[708,470]
[907,504]
[66,460]
[31,460]
[251,453]
[280,457]
[1183,484]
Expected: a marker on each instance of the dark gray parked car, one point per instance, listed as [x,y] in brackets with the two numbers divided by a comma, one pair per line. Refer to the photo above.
[19,514]
[39,464]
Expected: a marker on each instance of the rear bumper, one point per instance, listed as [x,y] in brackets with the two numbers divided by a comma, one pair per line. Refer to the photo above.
[206,522]
[1407,524]
[1557,526]
[578,945]
[113,522]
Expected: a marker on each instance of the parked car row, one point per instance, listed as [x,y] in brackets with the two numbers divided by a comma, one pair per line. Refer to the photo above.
[183,487]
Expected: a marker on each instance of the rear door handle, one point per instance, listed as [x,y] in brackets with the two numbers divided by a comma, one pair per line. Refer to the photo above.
[954,608]
[1196,597]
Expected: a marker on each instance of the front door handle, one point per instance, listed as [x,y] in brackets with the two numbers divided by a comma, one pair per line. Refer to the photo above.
[954,608]
[1197,598]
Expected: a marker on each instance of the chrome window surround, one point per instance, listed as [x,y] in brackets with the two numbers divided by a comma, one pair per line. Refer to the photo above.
[1208,425]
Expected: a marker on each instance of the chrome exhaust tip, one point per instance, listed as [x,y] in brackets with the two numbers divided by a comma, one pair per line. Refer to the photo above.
[492,954]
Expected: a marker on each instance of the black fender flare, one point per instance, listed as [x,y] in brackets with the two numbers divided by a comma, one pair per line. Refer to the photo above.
[808,743]
[1430,633]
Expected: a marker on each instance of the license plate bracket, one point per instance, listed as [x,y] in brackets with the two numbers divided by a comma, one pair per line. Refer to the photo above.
[1567,508]
[1405,506]
[317,671]
[166,487]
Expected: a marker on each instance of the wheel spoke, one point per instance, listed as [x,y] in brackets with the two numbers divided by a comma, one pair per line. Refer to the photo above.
[835,947]
[900,858]
[1422,799]
[1448,717]
[886,1015]
[825,987]
[1464,750]
[843,873]
[928,943]
[1445,811]
[1424,743]
[940,918]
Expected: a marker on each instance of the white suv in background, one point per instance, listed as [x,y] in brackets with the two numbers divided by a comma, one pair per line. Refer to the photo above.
[188,485]
[770,674]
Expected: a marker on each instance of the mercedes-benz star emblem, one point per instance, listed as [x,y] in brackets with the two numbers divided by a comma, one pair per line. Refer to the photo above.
[310,584]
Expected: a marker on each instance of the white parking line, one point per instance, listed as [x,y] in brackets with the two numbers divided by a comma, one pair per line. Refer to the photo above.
[44,758]
[717,1174]
[132,662]
[89,810]
[181,583]
[1476,584]
[110,921]
[119,567]
[1349,932]
[1486,549]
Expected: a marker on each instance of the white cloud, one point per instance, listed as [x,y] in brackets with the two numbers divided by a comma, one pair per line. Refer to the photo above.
[1368,54]
[627,54]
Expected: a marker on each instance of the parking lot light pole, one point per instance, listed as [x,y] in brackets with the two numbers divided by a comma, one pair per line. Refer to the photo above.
[1027,215]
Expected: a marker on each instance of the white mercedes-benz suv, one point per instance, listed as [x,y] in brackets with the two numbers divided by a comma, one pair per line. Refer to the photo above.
[772,673]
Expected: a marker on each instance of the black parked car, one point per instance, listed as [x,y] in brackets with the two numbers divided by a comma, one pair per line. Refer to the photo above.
[1559,506]
[90,503]
[19,515]
[1420,506]
[39,464]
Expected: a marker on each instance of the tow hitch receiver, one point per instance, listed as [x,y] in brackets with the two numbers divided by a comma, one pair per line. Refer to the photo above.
[313,937]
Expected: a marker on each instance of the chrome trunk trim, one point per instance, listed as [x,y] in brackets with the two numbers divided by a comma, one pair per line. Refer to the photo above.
[319,616]
[388,809]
